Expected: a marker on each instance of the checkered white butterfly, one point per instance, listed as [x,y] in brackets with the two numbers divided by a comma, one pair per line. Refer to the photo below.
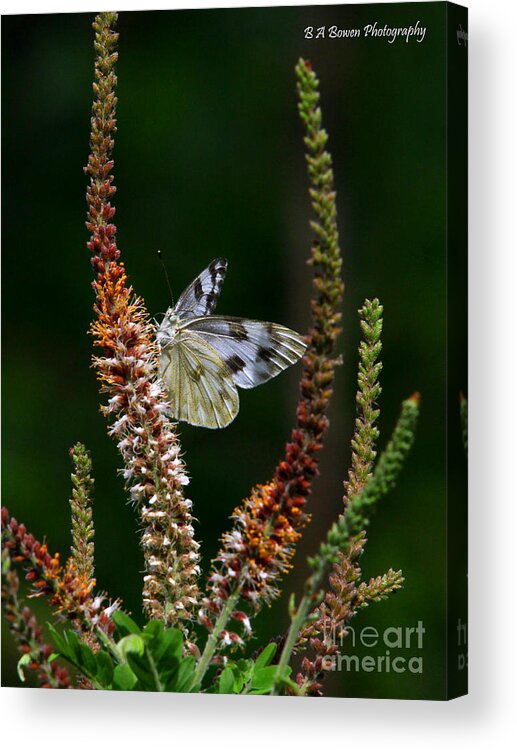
[204,357]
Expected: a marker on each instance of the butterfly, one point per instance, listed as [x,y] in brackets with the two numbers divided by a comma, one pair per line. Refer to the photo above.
[204,357]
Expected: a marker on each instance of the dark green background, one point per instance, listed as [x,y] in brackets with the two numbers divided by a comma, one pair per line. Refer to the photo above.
[209,162]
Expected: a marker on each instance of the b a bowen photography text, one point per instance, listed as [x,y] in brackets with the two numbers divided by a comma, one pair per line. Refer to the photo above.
[373,30]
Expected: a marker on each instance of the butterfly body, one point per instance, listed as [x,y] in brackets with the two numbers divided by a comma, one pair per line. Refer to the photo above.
[204,357]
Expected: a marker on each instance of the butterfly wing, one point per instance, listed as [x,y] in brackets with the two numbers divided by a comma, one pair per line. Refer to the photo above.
[253,351]
[199,383]
[200,297]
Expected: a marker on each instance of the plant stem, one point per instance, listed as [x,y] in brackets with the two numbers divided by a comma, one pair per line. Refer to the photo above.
[110,644]
[297,624]
[211,644]
[156,676]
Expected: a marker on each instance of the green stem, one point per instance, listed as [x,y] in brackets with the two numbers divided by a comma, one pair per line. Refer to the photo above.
[211,644]
[156,676]
[297,624]
[110,645]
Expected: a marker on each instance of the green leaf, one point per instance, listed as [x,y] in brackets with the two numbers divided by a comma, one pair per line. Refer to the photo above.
[263,680]
[125,625]
[243,671]
[226,680]
[80,654]
[154,628]
[59,641]
[245,667]
[265,656]
[22,662]
[185,676]
[87,660]
[166,644]
[77,653]
[123,678]
[104,668]
[239,679]
[74,645]
[131,644]
[163,657]
[140,658]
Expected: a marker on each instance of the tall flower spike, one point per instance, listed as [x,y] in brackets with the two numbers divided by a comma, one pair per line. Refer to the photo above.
[259,548]
[154,472]
[338,605]
[388,466]
[369,389]
[82,521]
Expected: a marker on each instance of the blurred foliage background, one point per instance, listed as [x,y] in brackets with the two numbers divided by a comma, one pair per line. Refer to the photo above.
[210,161]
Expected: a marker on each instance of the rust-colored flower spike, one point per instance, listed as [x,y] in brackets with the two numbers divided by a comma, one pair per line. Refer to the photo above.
[27,633]
[154,472]
[259,548]
[69,594]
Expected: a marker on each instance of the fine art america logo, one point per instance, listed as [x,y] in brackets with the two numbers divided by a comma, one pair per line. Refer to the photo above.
[372,30]
[402,648]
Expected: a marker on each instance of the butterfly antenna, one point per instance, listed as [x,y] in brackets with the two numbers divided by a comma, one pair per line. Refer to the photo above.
[160,257]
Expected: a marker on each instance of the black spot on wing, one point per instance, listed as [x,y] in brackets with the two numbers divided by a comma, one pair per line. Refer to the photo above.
[235,363]
[198,290]
[238,331]
[217,264]
[266,355]
[217,269]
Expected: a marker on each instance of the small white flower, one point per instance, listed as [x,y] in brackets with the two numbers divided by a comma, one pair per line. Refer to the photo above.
[119,424]
[246,623]
[112,608]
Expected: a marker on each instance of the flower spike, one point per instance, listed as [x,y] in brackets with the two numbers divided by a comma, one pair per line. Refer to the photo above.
[154,471]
